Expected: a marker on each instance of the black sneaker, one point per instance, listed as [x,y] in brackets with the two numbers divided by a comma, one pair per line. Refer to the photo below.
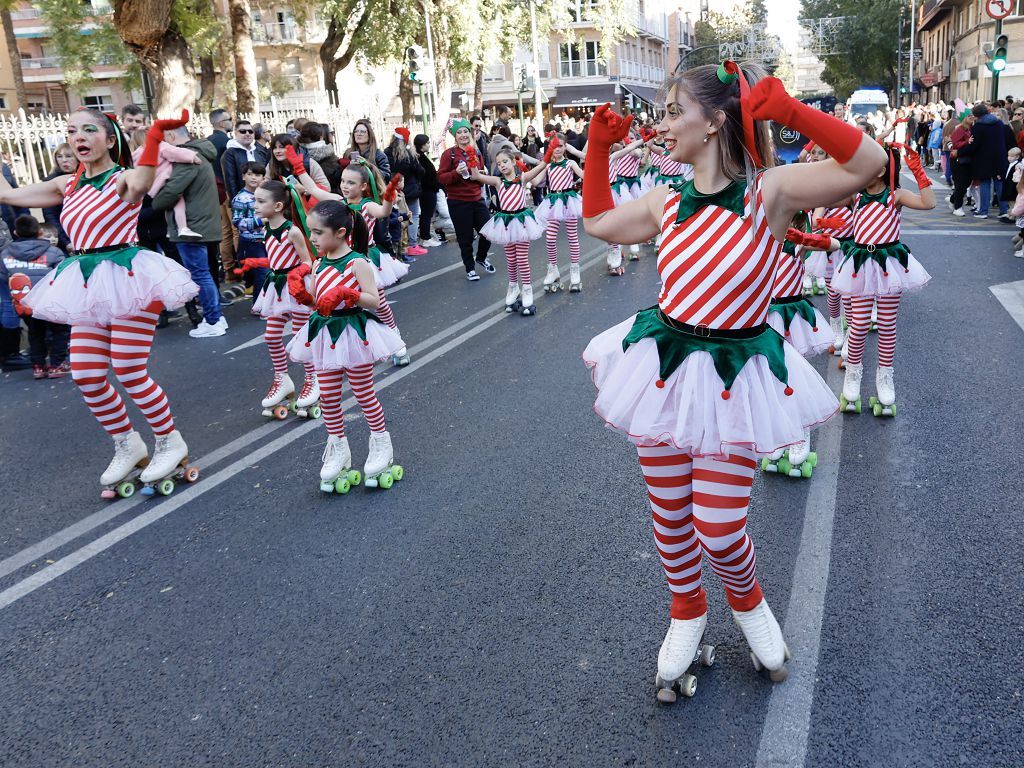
[194,315]
[486,266]
[16,362]
[472,276]
[1005,218]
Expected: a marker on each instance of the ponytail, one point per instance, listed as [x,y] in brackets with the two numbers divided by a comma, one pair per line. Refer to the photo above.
[336,215]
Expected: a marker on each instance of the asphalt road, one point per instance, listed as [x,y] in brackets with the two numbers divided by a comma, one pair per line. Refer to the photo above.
[503,605]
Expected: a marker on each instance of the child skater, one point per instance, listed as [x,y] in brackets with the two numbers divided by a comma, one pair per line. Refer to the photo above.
[700,383]
[561,204]
[626,184]
[286,250]
[836,223]
[514,225]
[877,268]
[341,338]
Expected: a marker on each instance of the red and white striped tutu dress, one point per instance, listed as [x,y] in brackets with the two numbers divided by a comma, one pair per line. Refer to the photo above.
[672,172]
[273,299]
[561,201]
[349,337]
[108,277]
[820,263]
[626,182]
[388,269]
[514,222]
[702,371]
[792,315]
[875,262]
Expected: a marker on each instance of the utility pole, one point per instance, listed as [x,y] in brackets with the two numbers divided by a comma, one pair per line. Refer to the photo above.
[539,114]
[995,70]
[430,54]
[899,60]
[913,22]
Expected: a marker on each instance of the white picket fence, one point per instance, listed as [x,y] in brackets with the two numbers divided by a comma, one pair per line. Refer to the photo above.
[27,142]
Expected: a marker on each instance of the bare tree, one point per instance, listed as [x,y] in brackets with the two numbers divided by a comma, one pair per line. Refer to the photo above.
[145,27]
[246,87]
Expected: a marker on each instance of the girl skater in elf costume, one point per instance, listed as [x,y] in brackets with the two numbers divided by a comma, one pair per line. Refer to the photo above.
[514,225]
[700,383]
[341,338]
[111,293]
[561,204]
[286,250]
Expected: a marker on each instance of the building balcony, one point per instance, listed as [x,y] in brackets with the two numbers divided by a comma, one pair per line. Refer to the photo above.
[932,12]
[48,69]
[288,33]
[656,26]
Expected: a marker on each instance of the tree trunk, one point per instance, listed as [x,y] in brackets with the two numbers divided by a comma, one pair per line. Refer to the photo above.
[246,88]
[407,94]
[207,84]
[145,28]
[339,47]
[12,52]
[478,90]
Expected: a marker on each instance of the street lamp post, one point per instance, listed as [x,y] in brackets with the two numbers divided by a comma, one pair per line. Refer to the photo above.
[539,113]
[910,55]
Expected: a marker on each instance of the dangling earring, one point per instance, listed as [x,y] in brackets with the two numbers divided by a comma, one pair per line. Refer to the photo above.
[708,135]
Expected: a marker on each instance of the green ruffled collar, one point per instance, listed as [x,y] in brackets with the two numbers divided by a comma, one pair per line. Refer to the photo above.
[275,232]
[97,182]
[341,262]
[879,197]
[691,201]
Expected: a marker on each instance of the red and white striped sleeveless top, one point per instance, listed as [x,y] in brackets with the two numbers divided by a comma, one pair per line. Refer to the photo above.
[657,159]
[281,254]
[789,276]
[560,177]
[875,222]
[670,167]
[844,213]
[331,277]
[369,219]
[717,268]
[511,196]
[628,165]
[98,218]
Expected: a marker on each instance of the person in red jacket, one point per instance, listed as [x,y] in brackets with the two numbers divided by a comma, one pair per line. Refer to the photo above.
[465,198]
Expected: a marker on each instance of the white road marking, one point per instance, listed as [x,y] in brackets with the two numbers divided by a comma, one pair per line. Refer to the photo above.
[788,719]
[1011,296]
[966,232]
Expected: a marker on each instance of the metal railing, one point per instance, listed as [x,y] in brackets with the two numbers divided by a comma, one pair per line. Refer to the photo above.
[46,62]
[288,31]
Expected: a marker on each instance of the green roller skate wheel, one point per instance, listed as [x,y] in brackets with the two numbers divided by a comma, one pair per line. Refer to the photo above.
[784,465]
[398,472]
[342,485]
[314,412]
[812,459]
[857,406]
[842,402]
[806,469]
[872,400]
[876,408]
[764,464]
[355,477]
[166,487]
[386,480]
[893,406]
[126,489]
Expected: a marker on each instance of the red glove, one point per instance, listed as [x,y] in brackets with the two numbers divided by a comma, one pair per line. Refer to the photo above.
[391,190]
[151,149]
[552,146]
[20,284]
[246,264]
[297,285]
[814,242]
[810,145]
[830,222]
[330,300]
[647,134]
[914,164]
[768,100]
[343,163]
[523,167]
[293,157]
[606,128]
[471,159]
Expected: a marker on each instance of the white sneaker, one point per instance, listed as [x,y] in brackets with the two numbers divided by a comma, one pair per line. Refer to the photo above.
[431,243]
[222,323]
[959,212]
[1019,254]
[204,330]
[189,235]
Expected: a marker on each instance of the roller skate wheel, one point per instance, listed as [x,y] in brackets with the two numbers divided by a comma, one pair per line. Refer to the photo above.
[191,474]
[126,489]
[778,675]
[166,487]
[666,696]
[342,485]
[280,412]
[355,477]
[876,408]
[765,464]
[688,686]
[892,409]
[267,412]
[841,364]
[857,406]
[314,412]
[148,490]
[806,469]
[108,493]
[575,288]
[386,480]
[326,487]
[707,656]
[872,400]
[812,459]
[528,311]
[398,471]
[784,465]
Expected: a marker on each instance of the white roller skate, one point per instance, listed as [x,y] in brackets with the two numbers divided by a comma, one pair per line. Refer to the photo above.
[552,280]
[306,404]
[130,457]
[634,252]
[768,650]
[512,302]
[575,284]
[844,350]
[839,336]
[808,286]
[401,357]
[680,650]
[800,460]
[820,288]
[849,400]
[281,389]
[770,463]
[884,404]
[380,469]
[529,308]
[169,463]
[615,262]
[337,475]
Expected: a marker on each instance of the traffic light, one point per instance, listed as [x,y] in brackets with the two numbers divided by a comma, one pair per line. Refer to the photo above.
[997,55]
[415,62]
[523,77]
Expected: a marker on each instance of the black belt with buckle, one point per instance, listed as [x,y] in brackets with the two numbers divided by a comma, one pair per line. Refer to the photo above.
[104,249]
[788,299]
[705,332]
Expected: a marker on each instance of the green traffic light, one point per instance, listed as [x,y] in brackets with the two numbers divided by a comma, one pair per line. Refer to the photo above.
[998,65]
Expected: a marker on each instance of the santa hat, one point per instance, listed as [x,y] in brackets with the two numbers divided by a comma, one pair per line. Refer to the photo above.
[403,133]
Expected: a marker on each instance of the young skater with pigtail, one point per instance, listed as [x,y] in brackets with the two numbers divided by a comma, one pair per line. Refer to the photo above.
[343,338]
[626,184]
[286,250]
[562,204]
[514,225]
[836,223]
[359,185]
[700,383]
[876,268]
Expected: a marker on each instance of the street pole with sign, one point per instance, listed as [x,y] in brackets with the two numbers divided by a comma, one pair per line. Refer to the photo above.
[539,109]
[998,10]
[913,23]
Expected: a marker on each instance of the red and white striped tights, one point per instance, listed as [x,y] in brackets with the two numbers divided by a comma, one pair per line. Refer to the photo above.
[273,336]
[860,319]
[360,379]
[572,232]
[384,311]
[125,346]
[834,299]
[517,262]
[700,508]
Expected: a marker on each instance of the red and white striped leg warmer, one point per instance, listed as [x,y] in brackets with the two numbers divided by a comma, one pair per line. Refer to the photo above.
[523,262]
[299,319]
[888,308]
[272,337]
[572,229]
[361,381]
[511,264]
[834,300]
[90,361]
[859,319]
[330,401]
[130,342]
[721,497]
[847,308]
[667,472]
[384,311]
[551,239]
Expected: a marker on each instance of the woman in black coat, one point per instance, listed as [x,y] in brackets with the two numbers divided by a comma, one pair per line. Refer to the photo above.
[990,141]
[402,159]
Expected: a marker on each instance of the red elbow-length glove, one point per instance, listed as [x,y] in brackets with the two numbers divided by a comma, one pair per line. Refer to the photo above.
[391,190]
[914,164]
[330,300]
[297,284]
[523,167]
[471,159]
[768,100]
[814,242]
[295,160]
[246,264]
[151,149]
[552,146]
[606,128]
[829,222]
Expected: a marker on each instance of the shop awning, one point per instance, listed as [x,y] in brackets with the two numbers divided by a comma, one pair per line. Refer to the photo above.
[512,100]
[584,95]
[645,93]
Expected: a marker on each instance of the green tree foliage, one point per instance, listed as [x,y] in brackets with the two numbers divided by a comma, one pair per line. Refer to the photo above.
[83,41]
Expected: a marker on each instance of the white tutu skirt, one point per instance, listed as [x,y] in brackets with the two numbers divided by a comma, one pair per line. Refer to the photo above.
[515,230]
[648,180]
[348,351]
[623,193]
[872,280]
[390,271]
[112,292]
[269,304]
[689,412]
[560,210]
[821,264]
[807,340]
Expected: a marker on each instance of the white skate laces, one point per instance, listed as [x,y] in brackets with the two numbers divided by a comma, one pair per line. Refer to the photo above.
[310,392]
[764,637]
[885,386]
[679,647]
[336,458]
[851,382]
[168,453]
[379,455]
[129,450]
